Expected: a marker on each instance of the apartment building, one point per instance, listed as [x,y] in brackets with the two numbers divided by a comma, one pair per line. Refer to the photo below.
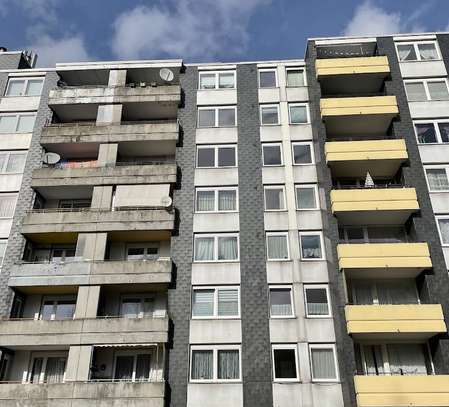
[268,233]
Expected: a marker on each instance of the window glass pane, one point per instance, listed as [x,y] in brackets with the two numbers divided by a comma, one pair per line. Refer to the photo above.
[16,163]
[143,367]
[207,81]
[206,118]
[135,253]
[397,292]
[444,132]
[427,51]
[298,114]
[323,364]
[227,248]
[130,307]
[34,87]
[267,79]
[228,364]
[3,161]
[36,370]
[295,77]
[355,235]
[202,365]
[26,124]
[226,156]
[272,155]
[438,90]
[284,364]
[305,197]
[227,200]
[416,91]
[407,359]
[65,309]
[124,367]
[228,302]
[406,52]
[277,247]
[8,124]
[302,154]
[15,88]
[3,244]
[204,248]
[203,303]
[387,234]
[280,301]
[269,115]
[205,201]
[226,80]
[426,133]
[274,198]
[7,206]
[148,307]
[47,310]
[437,179]
[226,117]
[311,247]
[316,300]
[444,230]
[206,157]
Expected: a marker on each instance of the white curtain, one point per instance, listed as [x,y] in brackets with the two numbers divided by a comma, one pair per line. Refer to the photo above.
[228,302]
[227,248]
[204,248]
[228,364]
[274,198]
[226,80]
[205,200]
[7,206]
[311,247]
[317,301]
[363,293]
[407,359]
[277,247]
[323,364]
[280,302]
[295,78]
[397,292]
[207,81]
[37,370]
[16,163]
[202,364]
[437,178]
[54,372]
[203,303]
[444,230]
[427,51]
[406,52]
[226,200]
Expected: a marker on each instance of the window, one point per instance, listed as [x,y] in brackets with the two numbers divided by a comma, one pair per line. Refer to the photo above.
[393,291]
[216,156]
[323,360]
[417,51]
[217,116]
[17,123]
[24,87]
[58,308]
[281,302]
[432,132]
[311,245]
[223,199]
[7,205]
[12,162]
[306,197]
[429,89]
[215,302]
[443,227]
[295,77]
[317,300]
[133,365]
[269,115]
[298,113]
[47,367]
[272,154]
[142,251]
[274,198]
[74,203]
[277,246]
[217,80]
[268,78]
[437,178]
[215,363]
[136,306]
[62,253]
[3,244]
[285,363]
[302,153]
[221,247]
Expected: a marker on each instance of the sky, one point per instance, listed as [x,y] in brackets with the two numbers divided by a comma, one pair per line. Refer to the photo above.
[201,30]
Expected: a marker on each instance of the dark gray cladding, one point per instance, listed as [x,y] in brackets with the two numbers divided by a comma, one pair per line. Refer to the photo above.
[256,352]
[13,61]
[443,42]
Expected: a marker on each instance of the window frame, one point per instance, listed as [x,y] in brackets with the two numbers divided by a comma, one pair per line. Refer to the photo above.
[329,307]
[282,187]
[435,123]
[216,116]
[45,355]
[312,153]
[312,233]
[216,195]
[276,105]
[289,346]
[436,167]
[417,53]
[295,68]
[55,299]
[216,236]
[438,218]
[295,104]
[217,78]
[8,154]
[26,79]
[10,195]
[267,69]
[288,245]
[216,289]
[279,144]
[425,82]
[216,147]
[317,200]
[334,351]
[292,303]
[141,297]
[145,246]
[18,116]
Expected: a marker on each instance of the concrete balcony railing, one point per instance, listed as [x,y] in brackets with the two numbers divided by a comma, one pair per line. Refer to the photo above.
[76,273]
[402,391]
[82,221]
[83,331]
[83,394]
[377,65]
[395,321]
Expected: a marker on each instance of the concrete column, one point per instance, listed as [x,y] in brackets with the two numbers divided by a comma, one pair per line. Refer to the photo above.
[117,77]
[91,246]
[102,197]
[87,301]
[107,155]
[78,363]
[109,114]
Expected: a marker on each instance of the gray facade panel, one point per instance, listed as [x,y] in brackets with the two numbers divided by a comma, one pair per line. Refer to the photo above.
[12,61]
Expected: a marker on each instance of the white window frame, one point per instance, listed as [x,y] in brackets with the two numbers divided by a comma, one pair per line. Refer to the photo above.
[17,116]
[215,349]
[216,193]
[25,85]
[310,233]
[303,143]
[288,245]
[317,201]
[216,236]
[282,187]
[334,351]
[438,218]
[276,105]
[436,167]
[141,297]
[295,68]
[306,105]
[217,76]
[435,124]
[5,243]
[216,291]
[290,346]
[55,299]
[274,69]
[216,147]
[317,286]
[216,109]
[134,353]
[280,149]
[426,88]
[283,287]
[45,356]
[145,246]
[417,53]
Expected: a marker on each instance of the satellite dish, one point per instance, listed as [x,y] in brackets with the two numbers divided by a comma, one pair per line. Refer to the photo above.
[51,158]
[166,74]
[166,201]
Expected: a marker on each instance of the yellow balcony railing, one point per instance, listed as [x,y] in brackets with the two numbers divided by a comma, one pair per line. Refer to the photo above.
[352,66]
[356,106]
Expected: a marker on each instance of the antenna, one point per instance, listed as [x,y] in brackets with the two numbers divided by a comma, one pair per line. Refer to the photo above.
[166,74]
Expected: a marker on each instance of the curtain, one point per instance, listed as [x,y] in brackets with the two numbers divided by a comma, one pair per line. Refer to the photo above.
[34,87]
[406,52]
[323,364]
[437,178]
[407,359]
[280,302]
[427,51]
[226,200]
[228,302]
[37,370]
[16,163]
[124,367]
[317,301]
[205,201]
[228,364]
[397,292]
[298,114]
[202,364]
[54,372]
[143,367]
[438,90]
[274,198]
[444,230]
[426,133]
[207,81]
[7,206]
[277,247]
[203,303]
[15,88]
[305,197]
[204,248]
[295,78]
[227,248]
[226,80]
[311,247]
[373,359]
[363,293]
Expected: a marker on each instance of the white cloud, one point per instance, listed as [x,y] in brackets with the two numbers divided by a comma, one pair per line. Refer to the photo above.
[188,29]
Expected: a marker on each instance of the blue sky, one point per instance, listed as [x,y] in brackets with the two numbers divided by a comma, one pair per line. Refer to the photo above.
[201,30]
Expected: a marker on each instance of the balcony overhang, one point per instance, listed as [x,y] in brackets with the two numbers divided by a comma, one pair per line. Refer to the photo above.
[379,322]
[376,206]
[381,158]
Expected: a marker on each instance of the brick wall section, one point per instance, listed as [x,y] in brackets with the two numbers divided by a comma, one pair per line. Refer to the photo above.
[182,246]
[256,352]
[344,343]
[16,241]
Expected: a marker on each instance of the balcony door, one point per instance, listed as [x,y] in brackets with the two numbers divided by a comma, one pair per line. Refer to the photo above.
[137,306]
[132,366]
[48,368]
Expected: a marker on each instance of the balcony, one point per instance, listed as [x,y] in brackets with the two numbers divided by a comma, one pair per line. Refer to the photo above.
[411,321]
[402,391]
[368,206]
[376,260]
[381,158]
[346,116]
